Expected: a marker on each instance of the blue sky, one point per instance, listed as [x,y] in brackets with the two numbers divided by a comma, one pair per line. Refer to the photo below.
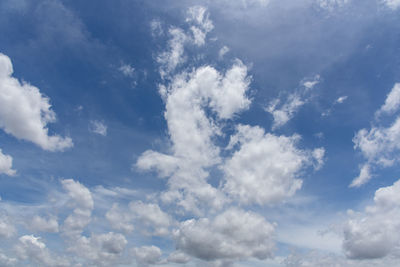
[199,133]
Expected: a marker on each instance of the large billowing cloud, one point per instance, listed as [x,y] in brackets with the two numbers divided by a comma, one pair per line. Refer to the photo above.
[375,233]
[25,112]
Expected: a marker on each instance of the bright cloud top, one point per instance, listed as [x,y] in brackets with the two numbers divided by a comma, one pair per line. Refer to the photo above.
[25,112]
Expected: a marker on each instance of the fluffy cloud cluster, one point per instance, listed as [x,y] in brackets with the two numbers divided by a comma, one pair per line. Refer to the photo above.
[231,235]
[25,112]
[265,168]
[379,145]
[148,216]
[101,249]
[375,233]
[6,164]
[31,248]
[82,200]
[192,130]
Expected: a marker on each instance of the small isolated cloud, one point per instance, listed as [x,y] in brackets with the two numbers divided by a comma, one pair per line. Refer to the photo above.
[25,112]
[6,164]
[283,111]
[341,99]
[98,127]
[223,51]
[127,70]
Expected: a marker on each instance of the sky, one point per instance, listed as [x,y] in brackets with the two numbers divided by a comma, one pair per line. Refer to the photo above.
[200,133]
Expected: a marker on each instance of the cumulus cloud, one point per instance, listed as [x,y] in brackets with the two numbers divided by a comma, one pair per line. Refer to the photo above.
[379,146]
[25,112]
[6,164]
[98,127]
[147,216]
[266,167]
[374,233]
[82,201]
[41,224]
[7,261]
[119,219]
[33,249]
[200,25]
[147,255]
[100,249]
[191,130]
[230,235]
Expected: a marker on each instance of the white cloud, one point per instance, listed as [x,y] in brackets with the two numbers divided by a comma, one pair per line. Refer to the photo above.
[283,111]
[33,249]
[127,70]
[310,83]
[98,127]
[341,99]
[379,146]
[119,219]
[146,216]
[392,102]
[265,168]
[174,56]
[286,111]
[199,16]
[375,233]
[191,130]
[6,164]
[147,255]
[151,216]
[393,4]
[100,249]
[332,4]
[231,235]
[364,176]
[41,224]
[82,201]
[25,112]
[223,51]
